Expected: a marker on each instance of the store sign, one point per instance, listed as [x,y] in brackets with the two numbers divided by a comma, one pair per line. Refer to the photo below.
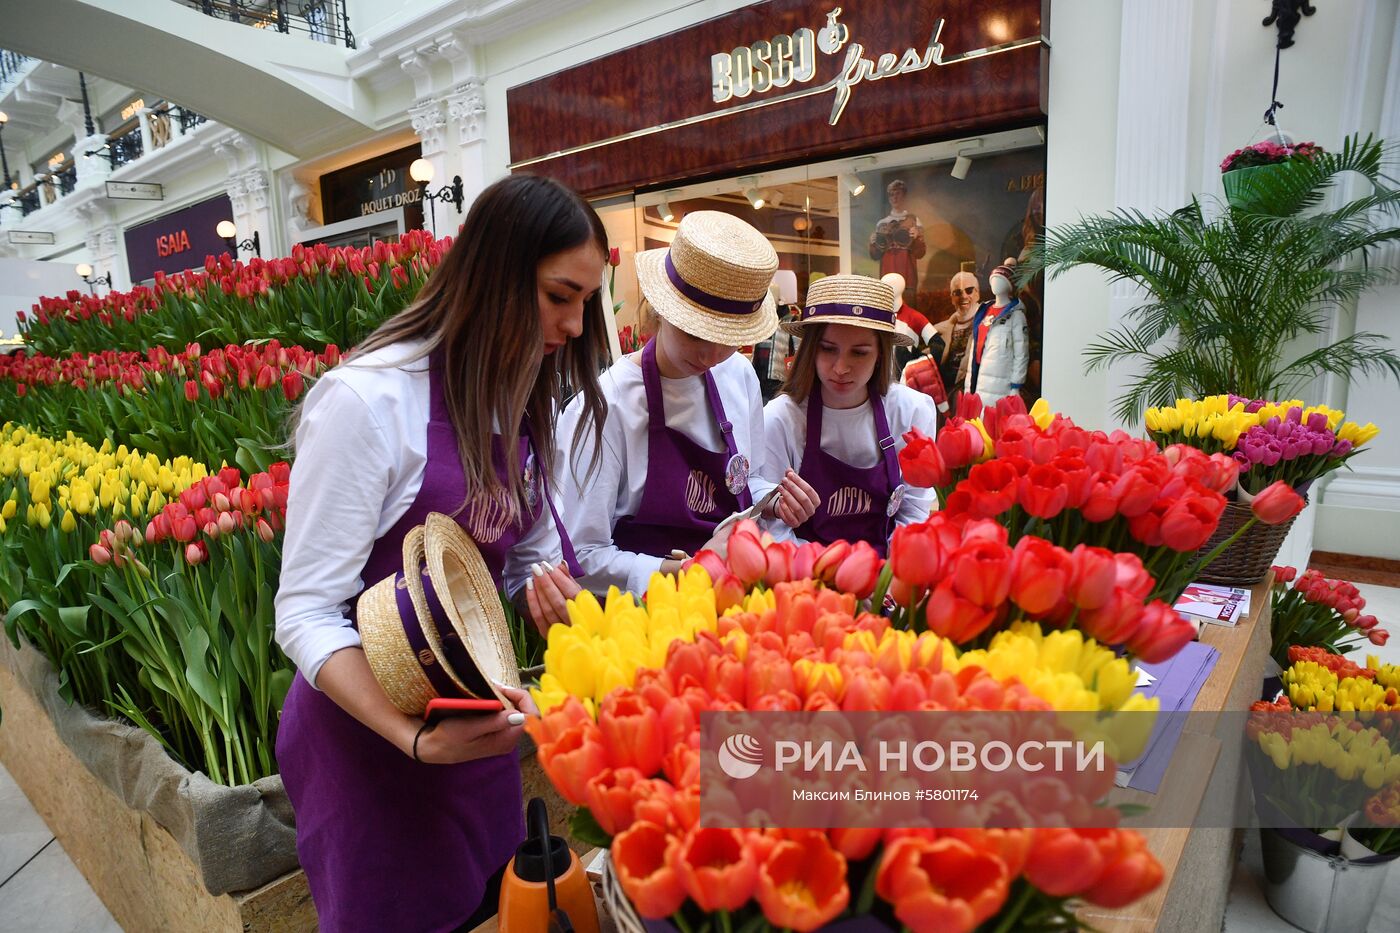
[177,241]
[133,108]
[370,187]
[33,237]
[135,191]
[784,60]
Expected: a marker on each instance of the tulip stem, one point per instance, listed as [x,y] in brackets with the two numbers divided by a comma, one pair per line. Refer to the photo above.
[1008,920]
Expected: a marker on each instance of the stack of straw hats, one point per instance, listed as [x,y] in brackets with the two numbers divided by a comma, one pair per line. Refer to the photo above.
[437,628]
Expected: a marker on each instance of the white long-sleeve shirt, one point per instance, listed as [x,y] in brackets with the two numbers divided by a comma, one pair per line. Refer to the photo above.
[592,504]
[849,435]
[361,450]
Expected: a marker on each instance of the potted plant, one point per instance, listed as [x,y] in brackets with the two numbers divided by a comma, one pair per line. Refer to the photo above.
[1240,169]
[1237,300]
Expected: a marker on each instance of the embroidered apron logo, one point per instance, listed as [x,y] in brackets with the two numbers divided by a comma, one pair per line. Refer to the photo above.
[848,500]
[700,493]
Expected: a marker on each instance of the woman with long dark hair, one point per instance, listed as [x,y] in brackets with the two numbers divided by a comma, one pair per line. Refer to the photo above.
[448,407]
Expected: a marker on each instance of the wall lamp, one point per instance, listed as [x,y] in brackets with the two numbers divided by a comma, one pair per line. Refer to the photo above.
[84,271]
[421,171]
[749,185]
[229,233]
[962,164]
[664,208]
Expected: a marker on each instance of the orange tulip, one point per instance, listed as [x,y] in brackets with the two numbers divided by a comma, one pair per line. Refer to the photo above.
[575,757]
[941,885]
[856,843]
[802,883]
[611,799]
[631,732]
[640,856]
[715,868]
[1130,871]
[1063,862]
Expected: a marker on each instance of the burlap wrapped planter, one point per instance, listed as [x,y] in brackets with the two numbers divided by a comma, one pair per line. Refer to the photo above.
[161,847]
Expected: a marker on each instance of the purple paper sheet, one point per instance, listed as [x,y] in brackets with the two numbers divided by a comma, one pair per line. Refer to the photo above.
[1179,682]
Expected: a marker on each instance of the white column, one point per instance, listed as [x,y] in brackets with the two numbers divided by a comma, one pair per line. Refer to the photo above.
[430,123]
[466,108]
[1151,153]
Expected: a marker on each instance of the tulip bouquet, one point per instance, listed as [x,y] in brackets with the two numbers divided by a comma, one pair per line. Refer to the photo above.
[1272,442]
[1041,475]
[226,405]
[316,296]
[1317,680]
[960,579]
[1313,611]
[1382,815]
[631,761]
[193,599]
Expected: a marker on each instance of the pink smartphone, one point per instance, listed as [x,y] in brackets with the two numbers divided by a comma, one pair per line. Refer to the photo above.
[439,708]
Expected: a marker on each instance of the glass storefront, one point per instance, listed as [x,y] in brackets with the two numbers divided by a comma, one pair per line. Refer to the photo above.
[922,212]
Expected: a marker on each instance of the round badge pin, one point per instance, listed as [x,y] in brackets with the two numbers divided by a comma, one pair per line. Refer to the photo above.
[532,482]
[896,500]
[736,474]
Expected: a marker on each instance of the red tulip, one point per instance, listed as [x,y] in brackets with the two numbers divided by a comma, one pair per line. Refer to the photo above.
[1116,621]
[917,553]
[614,257]
[1093,576]
[831,558]
[191,390]
[992,486]
[746,557]
[1135,492]
[1040,575]
[941,884]
[981,572]
[859,572]
[1063,862]
[1277,504]
[1161,633]
[266,377]
[780,557]
[1188,523]
[1043,491]
[921,463]
[292,385]
[1378,636]
[953,617]
[960,444]
[714,564]
[1130,871]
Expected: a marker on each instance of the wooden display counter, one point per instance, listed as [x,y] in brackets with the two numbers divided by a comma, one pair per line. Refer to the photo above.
[1199,863]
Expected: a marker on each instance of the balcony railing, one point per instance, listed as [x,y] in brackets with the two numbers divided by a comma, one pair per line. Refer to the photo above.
[322,20]
[124,148]
[12,64]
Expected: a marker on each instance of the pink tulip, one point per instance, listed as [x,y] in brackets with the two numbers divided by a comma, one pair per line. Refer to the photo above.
[99,554]
[1276,504]
[746,557]
[859,573]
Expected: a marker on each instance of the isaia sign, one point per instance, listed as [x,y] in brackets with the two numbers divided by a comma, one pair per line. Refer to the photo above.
[785,60]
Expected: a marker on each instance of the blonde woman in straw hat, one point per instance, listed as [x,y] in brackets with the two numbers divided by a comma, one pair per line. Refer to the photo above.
[841,418]
[683,444]
[448,408]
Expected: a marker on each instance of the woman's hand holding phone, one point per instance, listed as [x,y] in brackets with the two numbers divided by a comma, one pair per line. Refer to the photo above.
[478,733]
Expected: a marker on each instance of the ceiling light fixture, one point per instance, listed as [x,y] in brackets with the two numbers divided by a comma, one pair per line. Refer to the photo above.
[750,188]
[664,208]
[962,164]
[854,186]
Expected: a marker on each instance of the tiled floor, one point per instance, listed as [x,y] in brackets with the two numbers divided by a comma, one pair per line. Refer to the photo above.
[42,892]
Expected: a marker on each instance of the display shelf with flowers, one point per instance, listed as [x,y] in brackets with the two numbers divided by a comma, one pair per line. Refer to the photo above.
[1039,474]
[1326,769]
[632,763]
[228,405]
[314,297]
[1309,610]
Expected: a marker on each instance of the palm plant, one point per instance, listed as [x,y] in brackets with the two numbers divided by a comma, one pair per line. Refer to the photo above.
[1229,296]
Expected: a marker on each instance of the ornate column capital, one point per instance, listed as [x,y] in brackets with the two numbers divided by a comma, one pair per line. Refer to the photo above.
[467,107]
[430,123]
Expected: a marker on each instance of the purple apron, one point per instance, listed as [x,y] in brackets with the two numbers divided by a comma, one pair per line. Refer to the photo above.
[689,489]
[389,844]
[855,504]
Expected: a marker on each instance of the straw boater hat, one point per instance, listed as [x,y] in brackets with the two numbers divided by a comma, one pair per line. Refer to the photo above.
[857,300]
[436,628]
[712,282]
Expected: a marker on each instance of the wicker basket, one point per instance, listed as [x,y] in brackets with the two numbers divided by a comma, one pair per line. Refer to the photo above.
[1248,560]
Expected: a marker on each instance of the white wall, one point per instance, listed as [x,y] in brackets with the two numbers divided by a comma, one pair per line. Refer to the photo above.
[23,281]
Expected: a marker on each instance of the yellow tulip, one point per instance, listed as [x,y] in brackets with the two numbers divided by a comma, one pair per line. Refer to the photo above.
[69,522]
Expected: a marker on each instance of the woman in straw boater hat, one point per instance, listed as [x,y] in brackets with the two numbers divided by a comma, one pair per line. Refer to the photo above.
[683,443]
[448,407]
[840,420]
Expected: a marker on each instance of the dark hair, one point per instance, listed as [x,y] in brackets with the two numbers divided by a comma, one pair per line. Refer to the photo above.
[803,375]
[480,308]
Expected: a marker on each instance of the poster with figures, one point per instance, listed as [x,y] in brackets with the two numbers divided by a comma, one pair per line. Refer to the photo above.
[931,227]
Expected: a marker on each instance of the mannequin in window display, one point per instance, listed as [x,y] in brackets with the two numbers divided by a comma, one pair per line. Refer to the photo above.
[950,341]
[913,363]
[771,356]
[1000,351]
[898,240]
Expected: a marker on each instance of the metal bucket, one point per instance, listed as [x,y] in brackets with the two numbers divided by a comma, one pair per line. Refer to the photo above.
[1316,892]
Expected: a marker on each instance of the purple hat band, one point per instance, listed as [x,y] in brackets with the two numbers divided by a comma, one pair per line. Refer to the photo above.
[861,312]
[452,647]
[704,299]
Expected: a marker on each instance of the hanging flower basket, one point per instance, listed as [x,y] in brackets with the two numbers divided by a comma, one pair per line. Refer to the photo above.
[1242,181]
[1247,561]
[1248,170]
